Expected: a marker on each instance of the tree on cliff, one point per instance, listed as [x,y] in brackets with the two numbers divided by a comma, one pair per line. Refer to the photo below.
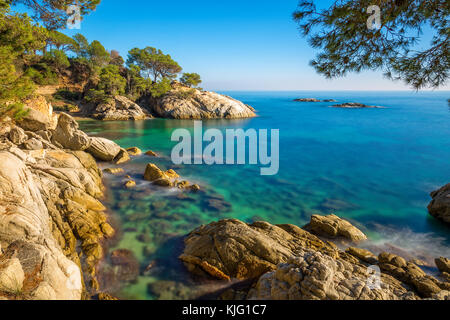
[347,43]
[98,54]
[153,63]
[111,82]
[53,13]
[191,79]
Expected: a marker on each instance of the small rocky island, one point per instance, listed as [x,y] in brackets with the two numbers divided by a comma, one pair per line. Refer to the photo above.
[354,105]
[314,100]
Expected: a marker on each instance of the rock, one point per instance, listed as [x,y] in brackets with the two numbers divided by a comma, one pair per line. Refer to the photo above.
[352,105]
[40,115]
[194,187]
[122,157]
[68,136]
[11,276]
[130,184]
[114,171]
[329,100]
[134,151]
[118,108]
[440,205]
[411,274]
[159,177]
[443,264]
[33,144]
[151,154]
[333,226]
[17,136]
[103,149]
[26,233]
[153,173]
[233,249]
[187,103]
[307,100]
[126,265]
[363,255]
[312,275]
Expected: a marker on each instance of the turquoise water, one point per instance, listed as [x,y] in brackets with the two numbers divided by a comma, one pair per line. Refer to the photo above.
[375,167]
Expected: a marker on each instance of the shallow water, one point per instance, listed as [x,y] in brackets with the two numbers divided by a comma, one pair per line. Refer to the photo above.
[375,167]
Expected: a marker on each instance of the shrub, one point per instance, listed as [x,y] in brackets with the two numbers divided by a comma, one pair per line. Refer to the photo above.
[97,97]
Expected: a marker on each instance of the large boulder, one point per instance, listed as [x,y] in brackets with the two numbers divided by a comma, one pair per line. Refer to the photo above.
[233,249]
[40,115]
[334,227]
[186,103]
[103,149]
[440,205]
[118,108]
[68,136]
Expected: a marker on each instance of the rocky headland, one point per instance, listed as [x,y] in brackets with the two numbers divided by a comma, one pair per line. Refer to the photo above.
[440,205]
[189,103]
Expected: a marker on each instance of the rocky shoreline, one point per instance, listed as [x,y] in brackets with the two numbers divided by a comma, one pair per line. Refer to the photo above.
[53,228]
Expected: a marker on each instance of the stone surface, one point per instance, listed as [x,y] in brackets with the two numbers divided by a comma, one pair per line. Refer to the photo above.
[186,103]
[443,264]
[119,108]
[122,157]
[17,136]
[103,149]
[334,227]
[40,115]
[134,151]
[233,249]
[68,136]
[312,275]
[440,205]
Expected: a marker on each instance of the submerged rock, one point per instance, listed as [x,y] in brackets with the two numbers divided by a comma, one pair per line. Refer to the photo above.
[335,227]
[440,205]
[186,103]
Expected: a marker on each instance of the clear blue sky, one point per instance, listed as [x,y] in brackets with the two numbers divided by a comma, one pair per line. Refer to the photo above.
[234,45]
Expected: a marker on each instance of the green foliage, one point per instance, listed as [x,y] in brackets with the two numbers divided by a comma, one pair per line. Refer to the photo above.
[67,95]
[81,46]
[185,94]
[116,59]
[158,89]
[52,13]
[97,97]
[136,84]
[98,55]
[111,82]
[61,41]
[153,63]
[41,74]
[57,59]
[191,79]
[15,40]
[348,45]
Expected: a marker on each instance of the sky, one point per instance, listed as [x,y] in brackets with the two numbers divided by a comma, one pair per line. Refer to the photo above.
[233,45]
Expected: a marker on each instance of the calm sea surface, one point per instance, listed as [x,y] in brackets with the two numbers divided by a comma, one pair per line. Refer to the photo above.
[375,167]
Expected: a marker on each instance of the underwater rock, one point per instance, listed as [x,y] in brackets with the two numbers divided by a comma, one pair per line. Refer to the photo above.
[126,265]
